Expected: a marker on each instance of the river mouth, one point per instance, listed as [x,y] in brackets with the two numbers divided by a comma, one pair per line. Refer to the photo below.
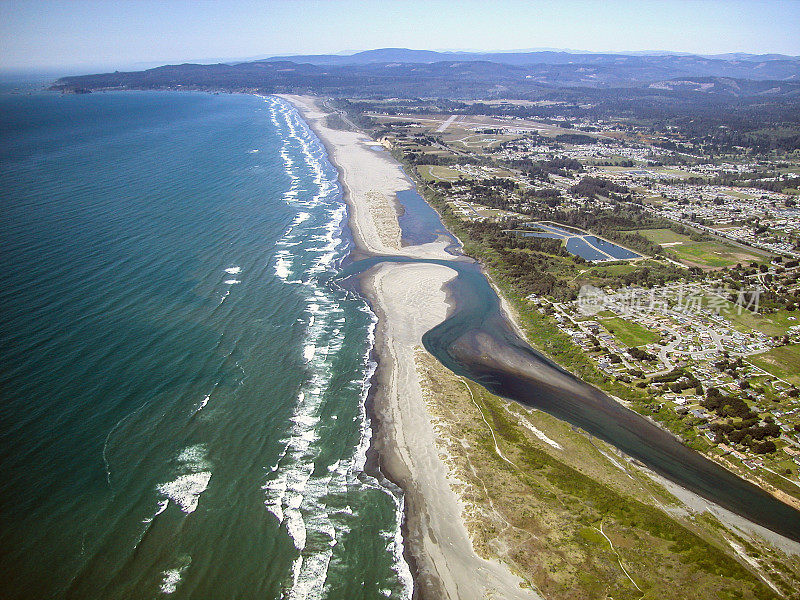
[477,341]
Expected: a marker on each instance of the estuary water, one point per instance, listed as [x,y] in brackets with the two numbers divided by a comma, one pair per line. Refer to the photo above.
[477,341]
[182,383]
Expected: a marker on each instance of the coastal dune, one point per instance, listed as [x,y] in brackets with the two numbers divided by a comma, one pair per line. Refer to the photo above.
[409,299]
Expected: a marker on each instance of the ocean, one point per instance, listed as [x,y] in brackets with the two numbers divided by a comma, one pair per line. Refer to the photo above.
[183,383]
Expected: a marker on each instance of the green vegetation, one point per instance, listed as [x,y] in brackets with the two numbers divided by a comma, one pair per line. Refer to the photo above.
[539,265]
[775,324]
[438,173]
[663,236]
[541,329]
[335,121]
[630,334]
[519,271]
[709,255]
[783,362]
[546,509]
[607,271]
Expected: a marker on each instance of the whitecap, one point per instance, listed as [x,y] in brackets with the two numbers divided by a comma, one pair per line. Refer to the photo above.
[203,403]
[296,494]
[282,268]
[169,584]
[275,491]
[162,506]
[194,457]
[303,419]
[296,527]
[185,490]
[171,578]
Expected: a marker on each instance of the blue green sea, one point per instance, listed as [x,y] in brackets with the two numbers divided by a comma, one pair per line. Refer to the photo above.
[182,386]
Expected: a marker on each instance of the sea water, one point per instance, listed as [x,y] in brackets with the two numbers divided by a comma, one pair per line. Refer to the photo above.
[183,385]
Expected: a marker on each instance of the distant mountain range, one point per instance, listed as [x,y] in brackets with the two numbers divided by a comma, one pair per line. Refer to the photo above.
[471,75]
[770,66]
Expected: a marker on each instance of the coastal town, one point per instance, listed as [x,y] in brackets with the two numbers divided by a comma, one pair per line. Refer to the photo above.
[673,265]
[400,300]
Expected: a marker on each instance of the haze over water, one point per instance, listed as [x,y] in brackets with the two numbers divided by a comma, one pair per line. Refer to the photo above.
[182,386]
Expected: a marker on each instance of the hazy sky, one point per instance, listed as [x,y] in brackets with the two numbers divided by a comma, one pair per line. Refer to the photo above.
[84,35]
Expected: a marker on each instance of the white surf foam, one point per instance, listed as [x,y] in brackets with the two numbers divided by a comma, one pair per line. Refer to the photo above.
[275,492]
[296,494]
[194,457]
[203,403]
[171,578]
[282,268]
[309,351]
[162,506]
[185,490]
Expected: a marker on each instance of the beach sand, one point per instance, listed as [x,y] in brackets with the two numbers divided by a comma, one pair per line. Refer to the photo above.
[409,300]
[371,181]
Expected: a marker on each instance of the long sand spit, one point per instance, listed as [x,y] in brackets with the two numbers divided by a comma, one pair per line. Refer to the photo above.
[409,300]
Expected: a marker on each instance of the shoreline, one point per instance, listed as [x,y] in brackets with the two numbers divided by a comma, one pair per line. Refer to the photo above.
[397,457]
[408,300]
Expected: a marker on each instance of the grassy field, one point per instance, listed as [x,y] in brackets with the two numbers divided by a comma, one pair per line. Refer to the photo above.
[783,362]
[630,334]
[777,323]
[466,139]
[741,194]
[546,505]
[663,236]
[708,255]
[612,270]
[439,173]
[712,255]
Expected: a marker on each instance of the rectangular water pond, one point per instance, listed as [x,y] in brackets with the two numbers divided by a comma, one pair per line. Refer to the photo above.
[580,243]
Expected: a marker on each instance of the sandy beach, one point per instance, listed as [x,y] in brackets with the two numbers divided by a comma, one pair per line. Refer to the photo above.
[370,180]
[409,300]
